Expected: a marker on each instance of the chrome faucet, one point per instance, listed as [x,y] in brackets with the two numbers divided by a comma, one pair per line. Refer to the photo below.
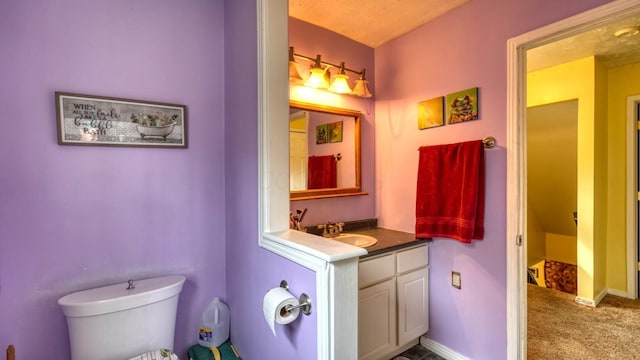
[331,229]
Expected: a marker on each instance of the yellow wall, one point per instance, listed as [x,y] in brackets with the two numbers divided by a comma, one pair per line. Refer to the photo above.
[622,82]
[602,167]
[601,179]
[577,80]
[299,122]
[562,248]
[541,278]
[536,243]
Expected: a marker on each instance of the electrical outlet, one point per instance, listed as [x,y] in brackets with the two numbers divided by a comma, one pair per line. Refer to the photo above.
[455,280]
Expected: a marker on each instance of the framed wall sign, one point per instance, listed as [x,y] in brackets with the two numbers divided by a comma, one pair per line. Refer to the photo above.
[462,106]
[98,120]
[431,113]
[322,134]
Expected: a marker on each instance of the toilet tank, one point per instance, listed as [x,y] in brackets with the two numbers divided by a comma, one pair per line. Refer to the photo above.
[117,322]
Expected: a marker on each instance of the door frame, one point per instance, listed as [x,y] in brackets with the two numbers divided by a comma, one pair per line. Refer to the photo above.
[632,197]
[516,152]
[303,114]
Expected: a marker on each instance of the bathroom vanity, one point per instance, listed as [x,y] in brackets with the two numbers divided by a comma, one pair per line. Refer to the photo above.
[393,293]
[393,290]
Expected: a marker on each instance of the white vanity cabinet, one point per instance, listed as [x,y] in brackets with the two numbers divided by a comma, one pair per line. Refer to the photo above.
[393,301]
[377,306]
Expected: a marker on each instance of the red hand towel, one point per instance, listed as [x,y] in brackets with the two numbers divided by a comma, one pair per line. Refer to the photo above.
[450,192]
[322,172]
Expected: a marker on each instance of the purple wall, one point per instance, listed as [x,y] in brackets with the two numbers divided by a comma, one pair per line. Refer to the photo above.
[252,271]
[311,40]
[464,48]
[76,217]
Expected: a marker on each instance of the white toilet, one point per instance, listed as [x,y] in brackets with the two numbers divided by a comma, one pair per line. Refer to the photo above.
[122,321]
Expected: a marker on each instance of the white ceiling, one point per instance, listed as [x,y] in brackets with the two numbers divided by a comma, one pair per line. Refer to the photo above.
[374,22]
[612,51]
[370,22]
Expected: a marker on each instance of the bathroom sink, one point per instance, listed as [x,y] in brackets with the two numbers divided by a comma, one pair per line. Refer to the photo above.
[359,240]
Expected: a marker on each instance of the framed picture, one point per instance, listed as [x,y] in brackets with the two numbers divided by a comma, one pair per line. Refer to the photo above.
[462,106]
[335,132]
[431,113]
[322,134]
[98,120]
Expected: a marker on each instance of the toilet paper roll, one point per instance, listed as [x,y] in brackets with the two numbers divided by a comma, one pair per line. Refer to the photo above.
[274,307]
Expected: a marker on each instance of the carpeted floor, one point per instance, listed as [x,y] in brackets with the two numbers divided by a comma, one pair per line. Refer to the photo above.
[559,328]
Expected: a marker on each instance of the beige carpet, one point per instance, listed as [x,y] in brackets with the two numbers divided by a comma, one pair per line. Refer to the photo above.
[559,328]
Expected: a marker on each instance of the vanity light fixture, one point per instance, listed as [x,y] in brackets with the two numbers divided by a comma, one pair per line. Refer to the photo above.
[362,89]
[294,74]
[340,84]
[320,76]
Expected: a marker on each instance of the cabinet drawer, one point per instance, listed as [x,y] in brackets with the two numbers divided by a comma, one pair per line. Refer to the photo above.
[413,258]
[375,270]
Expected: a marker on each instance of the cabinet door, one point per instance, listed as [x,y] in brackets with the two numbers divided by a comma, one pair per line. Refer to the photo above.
[413,305]
[377,320]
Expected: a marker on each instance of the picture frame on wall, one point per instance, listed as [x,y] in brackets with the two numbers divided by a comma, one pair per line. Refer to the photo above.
[431,113]
[111,121]
[462,106]
[322,134]
[335,132]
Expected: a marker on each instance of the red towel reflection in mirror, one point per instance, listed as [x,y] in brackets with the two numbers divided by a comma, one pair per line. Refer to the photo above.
[322,172]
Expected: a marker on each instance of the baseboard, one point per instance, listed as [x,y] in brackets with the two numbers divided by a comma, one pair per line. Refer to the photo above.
[601,296]
[594,302]
[619,293]
[441,350]
[585,302]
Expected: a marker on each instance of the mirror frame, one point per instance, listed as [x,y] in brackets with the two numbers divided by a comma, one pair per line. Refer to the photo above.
[333,192]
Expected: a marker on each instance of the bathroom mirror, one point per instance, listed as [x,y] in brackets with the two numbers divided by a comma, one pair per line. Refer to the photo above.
[324,151]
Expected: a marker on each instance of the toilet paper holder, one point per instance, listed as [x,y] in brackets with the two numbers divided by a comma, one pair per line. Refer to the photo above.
[304,300]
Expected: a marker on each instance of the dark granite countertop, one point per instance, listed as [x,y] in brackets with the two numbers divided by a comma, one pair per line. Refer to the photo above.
[388,240]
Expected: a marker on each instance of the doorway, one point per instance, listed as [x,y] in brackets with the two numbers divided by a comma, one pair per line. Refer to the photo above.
[552,191]
[516,155]
[298,139]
